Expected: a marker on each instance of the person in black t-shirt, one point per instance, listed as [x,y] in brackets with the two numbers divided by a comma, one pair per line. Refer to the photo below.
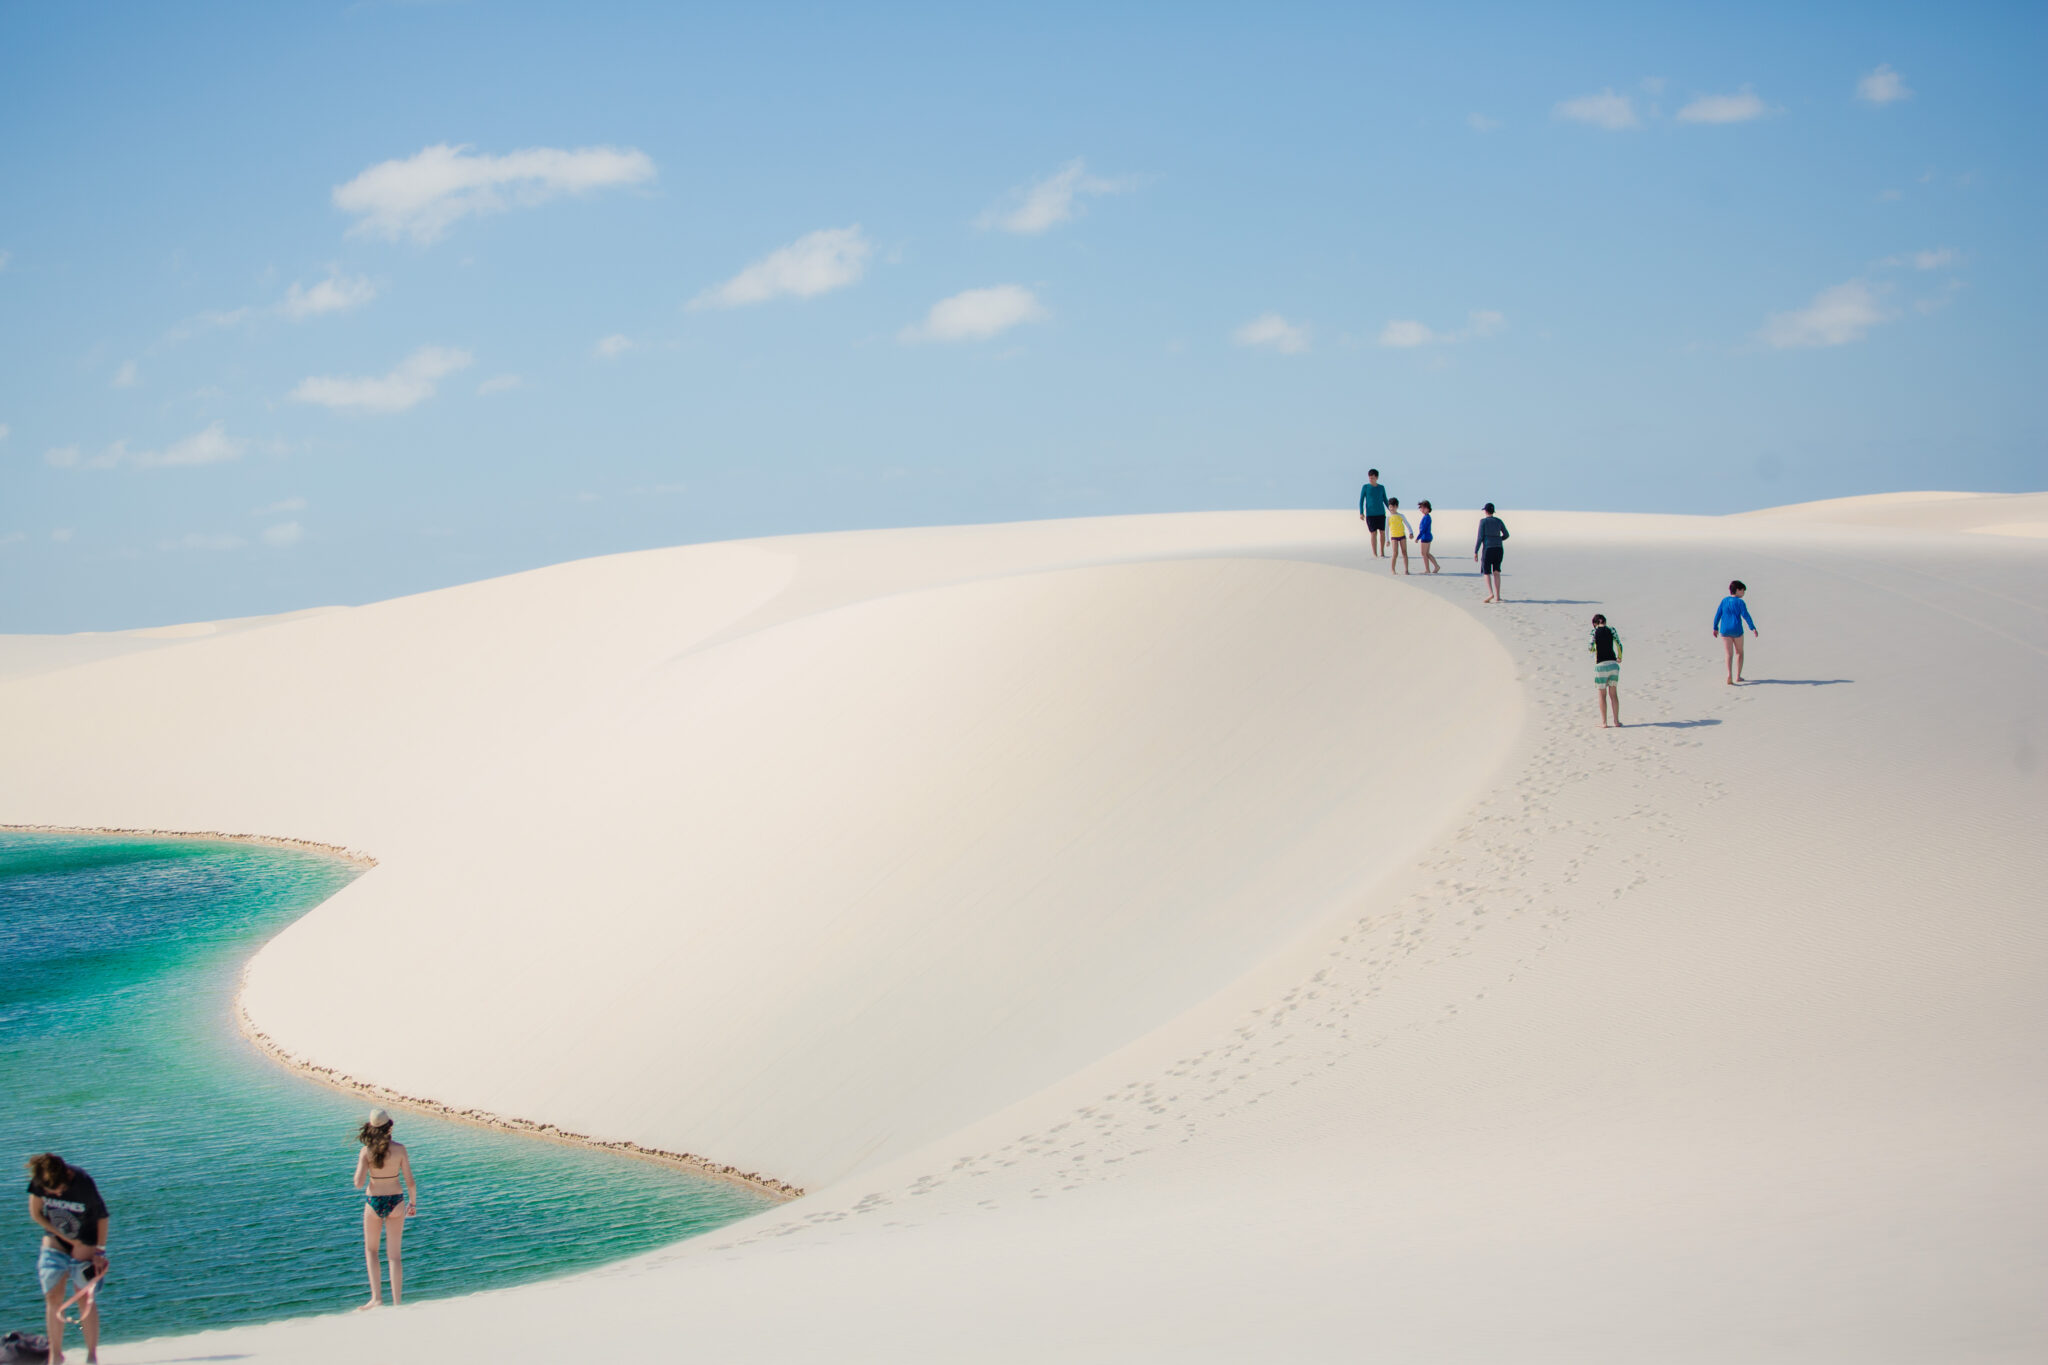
[67,1206]
[1605,647]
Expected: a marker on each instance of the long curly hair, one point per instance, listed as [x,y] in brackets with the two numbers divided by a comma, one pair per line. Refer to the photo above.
[377,1137]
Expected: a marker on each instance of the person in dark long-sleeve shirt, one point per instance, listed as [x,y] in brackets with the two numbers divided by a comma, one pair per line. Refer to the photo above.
[1493,533]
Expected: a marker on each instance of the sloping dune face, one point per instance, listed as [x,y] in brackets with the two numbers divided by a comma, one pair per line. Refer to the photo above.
[710,851]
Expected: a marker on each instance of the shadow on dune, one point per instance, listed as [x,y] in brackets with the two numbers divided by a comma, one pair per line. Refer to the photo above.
[1794,682]
[1672,724]
[1551,601]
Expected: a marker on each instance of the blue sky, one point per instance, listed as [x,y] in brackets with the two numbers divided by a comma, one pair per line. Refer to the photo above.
[308,304]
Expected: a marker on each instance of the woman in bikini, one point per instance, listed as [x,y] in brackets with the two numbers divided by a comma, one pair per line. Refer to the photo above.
[382,1167]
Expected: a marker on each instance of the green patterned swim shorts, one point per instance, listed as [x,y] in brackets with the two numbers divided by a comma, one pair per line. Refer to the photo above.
[1607,674]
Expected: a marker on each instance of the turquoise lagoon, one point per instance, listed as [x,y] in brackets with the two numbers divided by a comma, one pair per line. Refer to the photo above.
[227,1176]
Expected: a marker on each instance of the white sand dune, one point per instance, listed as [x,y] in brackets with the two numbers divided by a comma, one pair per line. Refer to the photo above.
[1168,938]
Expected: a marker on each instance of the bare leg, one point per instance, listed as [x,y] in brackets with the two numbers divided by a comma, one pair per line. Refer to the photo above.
[372,1225]
[1728,653]
[1614,693]
[1738,658]
[394,1252]
[1603,706]
[53,1320]
[89,1324]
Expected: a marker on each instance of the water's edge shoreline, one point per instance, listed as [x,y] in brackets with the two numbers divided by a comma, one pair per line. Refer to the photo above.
[778,1190]
[353,855]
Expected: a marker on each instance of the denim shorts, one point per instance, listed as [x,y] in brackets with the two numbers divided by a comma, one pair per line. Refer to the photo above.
[54,1268]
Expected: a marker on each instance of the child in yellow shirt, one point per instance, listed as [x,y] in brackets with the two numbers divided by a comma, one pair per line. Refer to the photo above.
[1397,528]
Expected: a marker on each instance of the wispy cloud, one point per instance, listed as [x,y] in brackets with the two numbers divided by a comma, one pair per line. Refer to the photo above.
[197,540]
[5,257]
[1604,110]
[124,378]
[1882,86]
[281,506]
[1044,204]
[424,195]
[1740,107]
[407,386]
[209,445]
[336,294]
[1274,333]
[816,263]
[1404,334]
[284,535]
[4,429]
[499,383]
[1480,123]
[977,314]
[613,346]
[1836,317]
[1939,258]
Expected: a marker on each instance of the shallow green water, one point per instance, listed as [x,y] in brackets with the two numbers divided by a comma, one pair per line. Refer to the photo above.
[228,1177]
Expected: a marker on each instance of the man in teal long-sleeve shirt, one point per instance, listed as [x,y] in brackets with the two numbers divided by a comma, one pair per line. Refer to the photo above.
[1372,510]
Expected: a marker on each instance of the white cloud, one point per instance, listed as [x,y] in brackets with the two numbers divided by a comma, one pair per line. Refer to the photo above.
[1274,332]
[424,195]
[336,294]
[1480,123]
[1940,258]
[1740,107]
[13,538]
[1604,110]
[206,322]
[62,535]
[408,385]
[197,541]
[1836,317]
[284,505]
[283,535]
[124,378]
[1044,204]
[1882,86]
[209,445]
[613,346]
[977,314]
[1654,84]
[3,431]
[1404,334]
[499,383]
[816,263]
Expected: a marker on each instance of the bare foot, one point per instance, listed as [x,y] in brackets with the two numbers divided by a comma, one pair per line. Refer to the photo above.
[366,1307]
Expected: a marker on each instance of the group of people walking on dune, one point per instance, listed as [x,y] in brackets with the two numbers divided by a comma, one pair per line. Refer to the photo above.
[72,1264]
[1381,514]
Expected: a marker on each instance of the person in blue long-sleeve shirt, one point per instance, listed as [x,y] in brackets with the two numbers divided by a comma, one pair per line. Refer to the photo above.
[1372,510]
[1729,618]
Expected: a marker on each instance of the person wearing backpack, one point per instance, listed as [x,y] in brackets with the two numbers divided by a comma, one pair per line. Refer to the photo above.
[1605,647]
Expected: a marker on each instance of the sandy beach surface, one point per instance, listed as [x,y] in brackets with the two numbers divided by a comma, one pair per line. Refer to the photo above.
[1173,938]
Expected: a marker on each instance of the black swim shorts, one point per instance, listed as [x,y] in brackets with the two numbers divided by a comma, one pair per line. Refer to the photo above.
[1489,559]
[1375,523]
